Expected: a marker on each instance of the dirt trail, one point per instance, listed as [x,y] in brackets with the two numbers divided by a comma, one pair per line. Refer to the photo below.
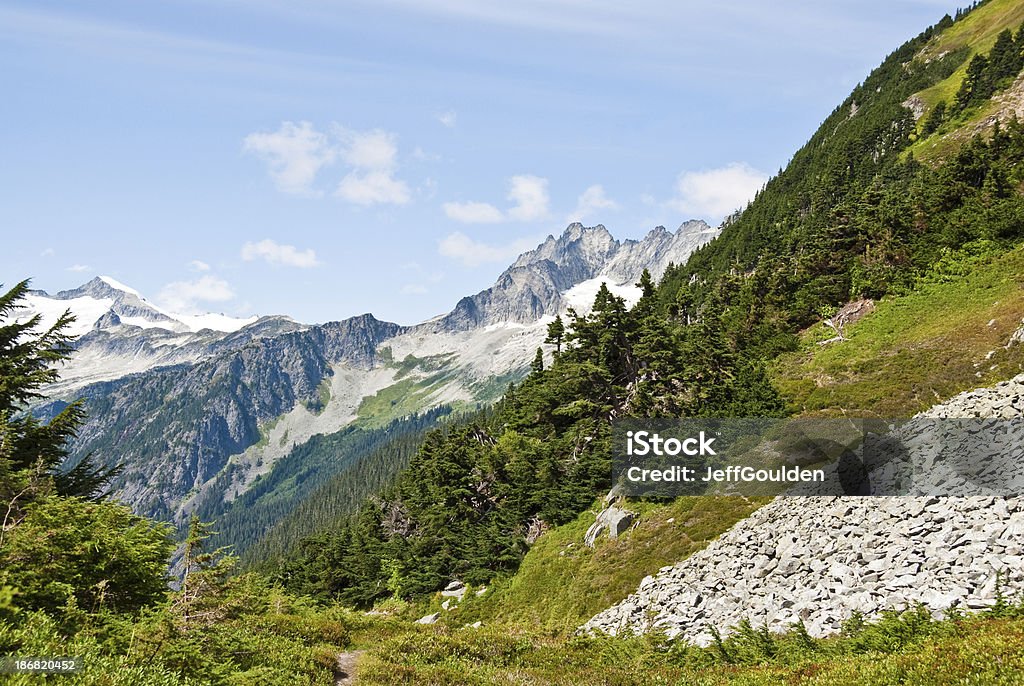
[345,672]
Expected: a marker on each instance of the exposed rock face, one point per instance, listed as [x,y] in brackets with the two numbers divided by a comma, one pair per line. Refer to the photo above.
[533,286]
[820,559]
[656,251]
[173,428]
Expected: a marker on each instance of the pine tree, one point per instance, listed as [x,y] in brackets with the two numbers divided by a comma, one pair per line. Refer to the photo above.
[1004,59]
[204,578]
[935,118]
[976,83]
[537,366]
[33,454]
[556,333]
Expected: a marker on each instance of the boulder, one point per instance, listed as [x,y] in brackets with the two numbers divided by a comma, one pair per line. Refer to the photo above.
[613,520]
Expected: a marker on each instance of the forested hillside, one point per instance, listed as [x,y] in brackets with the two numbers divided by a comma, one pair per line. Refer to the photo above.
[851,217]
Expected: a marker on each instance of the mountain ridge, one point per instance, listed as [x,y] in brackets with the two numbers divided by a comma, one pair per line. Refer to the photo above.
[254,394]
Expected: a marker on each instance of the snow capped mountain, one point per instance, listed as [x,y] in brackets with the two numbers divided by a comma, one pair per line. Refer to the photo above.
[105,303]
[120,332]
[535,284]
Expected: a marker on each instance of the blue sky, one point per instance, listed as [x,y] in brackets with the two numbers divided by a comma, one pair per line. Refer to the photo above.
[322,159]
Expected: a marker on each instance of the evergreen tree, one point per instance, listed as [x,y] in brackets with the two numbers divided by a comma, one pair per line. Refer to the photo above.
[556,333]
[537,366]
[1004,60]
[33,453]
[977,84]
[935,118]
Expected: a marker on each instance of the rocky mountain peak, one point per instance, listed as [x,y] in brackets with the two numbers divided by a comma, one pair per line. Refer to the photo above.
[586,246]
[535,283]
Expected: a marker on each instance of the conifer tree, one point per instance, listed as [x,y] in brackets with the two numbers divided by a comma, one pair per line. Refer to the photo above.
[975,86]
[32,453]
[935,118]
[537,366]
[556,333]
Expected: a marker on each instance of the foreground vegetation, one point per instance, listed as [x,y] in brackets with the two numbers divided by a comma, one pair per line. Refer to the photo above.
[908,647]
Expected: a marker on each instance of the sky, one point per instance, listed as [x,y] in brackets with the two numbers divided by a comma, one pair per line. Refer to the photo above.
[326,158]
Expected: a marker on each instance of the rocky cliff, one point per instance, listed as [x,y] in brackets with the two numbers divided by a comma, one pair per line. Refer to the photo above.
[536,282]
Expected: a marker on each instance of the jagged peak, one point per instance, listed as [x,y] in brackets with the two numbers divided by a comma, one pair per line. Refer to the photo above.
[695,224]
[118,286]
[577,230]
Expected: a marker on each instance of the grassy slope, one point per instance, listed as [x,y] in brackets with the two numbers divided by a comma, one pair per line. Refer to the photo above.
[562,583]
[914,350]
[977,32]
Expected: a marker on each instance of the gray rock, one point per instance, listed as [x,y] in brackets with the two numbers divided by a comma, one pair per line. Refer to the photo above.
[612,520]
[821,558]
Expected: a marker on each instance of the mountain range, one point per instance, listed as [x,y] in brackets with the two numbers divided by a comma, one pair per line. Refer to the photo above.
[197,408]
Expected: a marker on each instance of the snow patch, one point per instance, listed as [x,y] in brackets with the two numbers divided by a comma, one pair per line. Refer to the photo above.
[86,310]
[118,286]
[581,296]
[211,320]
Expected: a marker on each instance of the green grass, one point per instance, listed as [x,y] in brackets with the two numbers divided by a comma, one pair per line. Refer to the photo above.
[979,29]
[265,430]
[977,32]
[562,582]
[397,400]
[430,363]
[323,396]
[914,350]
[908,648]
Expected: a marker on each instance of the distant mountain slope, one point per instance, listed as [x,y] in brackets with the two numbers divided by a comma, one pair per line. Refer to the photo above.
[120,332]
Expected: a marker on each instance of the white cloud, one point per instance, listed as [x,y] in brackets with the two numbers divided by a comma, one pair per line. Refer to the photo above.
[716,193]
[530,195]
[295,154]
[473,212]
[373,188]
[48,252]
[374,158]
[198,266]
[79,268]
[184,296]
[374,149]
[590,201]
[276,253]
[472,253]
[448,119]
[413,289]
